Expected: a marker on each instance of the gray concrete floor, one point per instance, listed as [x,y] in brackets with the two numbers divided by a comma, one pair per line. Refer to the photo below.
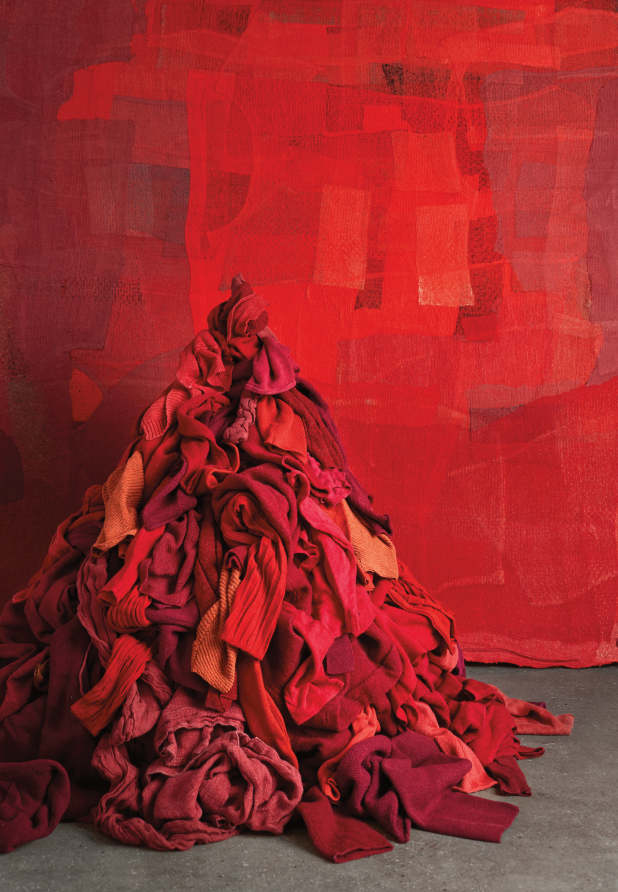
[564,839]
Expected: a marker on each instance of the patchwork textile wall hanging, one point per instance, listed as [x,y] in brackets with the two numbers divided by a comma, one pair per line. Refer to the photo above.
[425,192]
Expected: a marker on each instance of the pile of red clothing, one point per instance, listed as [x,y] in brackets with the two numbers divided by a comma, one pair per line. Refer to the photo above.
[223,638]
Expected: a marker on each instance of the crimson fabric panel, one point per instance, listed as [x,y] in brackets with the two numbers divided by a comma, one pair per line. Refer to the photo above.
[426,194]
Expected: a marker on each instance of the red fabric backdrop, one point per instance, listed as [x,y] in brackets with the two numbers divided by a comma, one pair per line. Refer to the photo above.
[426,192]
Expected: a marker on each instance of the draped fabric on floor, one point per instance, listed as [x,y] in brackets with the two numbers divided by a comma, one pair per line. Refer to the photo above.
[223,638]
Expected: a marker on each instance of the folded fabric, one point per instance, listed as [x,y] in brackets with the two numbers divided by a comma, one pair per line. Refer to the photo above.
[407,780]
[374,554]
[33,798]
[335,833]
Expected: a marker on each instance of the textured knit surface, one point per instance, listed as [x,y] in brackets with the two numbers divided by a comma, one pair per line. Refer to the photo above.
[246,644]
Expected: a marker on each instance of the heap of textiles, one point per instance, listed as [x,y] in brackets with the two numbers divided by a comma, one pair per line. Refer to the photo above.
[223,638]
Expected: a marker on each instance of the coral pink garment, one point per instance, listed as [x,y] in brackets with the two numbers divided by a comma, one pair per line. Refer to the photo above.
[530,718]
